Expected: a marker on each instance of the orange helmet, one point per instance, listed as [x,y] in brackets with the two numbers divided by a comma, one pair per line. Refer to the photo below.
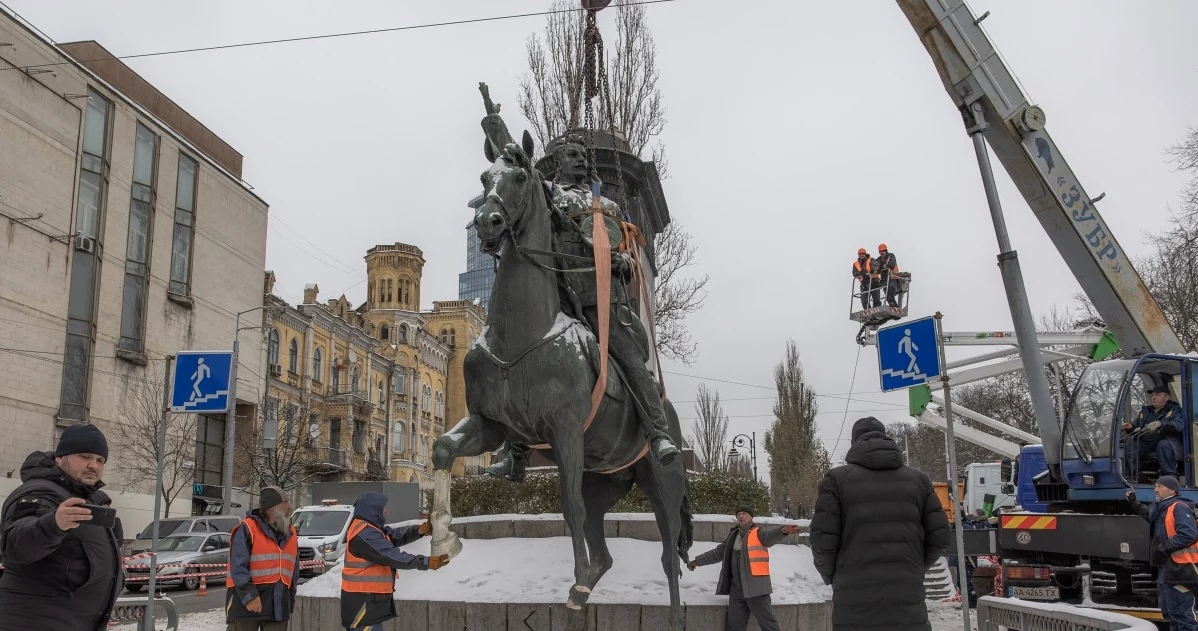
[861,251]
[881,247]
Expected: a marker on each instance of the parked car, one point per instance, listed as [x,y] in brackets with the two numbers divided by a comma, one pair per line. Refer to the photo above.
[177,550]
[201,524]
[321,529]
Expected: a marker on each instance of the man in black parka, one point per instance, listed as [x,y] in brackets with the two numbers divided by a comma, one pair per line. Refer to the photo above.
[60,572]
[878,526]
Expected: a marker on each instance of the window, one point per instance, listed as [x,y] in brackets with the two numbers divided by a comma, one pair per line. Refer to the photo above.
[370,293]
[86,255]
[313,429]
[439,411]
[403,334]
[453,337]
[400,433]
[335,434]
[401,380]
[272,348]
[336,380]
[359,437]
[354,381]
[293,357]
[426,399]
[137,252]
[316,365]
[210,450]
[382,399]
[444,336]
[181,248]
[383,332]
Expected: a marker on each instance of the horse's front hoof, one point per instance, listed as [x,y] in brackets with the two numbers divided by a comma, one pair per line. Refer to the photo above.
[570,604]
[449,544]
[579,594]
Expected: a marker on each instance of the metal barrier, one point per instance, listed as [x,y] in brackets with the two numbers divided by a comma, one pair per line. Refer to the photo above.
[1001,614]
[133,609]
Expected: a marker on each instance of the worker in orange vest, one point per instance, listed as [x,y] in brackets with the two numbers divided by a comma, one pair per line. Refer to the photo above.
[745,571]
[886,266]
[863,271]
[1174,552]
[263,569]
[373,559]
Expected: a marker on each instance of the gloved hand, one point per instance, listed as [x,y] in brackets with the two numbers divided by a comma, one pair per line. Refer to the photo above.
[621,263]
[425,529]
[1153,426]
[436,563]
[691,566]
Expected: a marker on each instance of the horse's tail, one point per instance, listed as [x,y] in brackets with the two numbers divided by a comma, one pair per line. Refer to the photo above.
[686,536]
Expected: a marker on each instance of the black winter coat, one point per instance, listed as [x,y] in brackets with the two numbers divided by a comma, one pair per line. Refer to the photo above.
[66,581]
[878,527]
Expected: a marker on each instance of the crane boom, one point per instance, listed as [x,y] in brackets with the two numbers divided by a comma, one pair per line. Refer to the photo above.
[974,74]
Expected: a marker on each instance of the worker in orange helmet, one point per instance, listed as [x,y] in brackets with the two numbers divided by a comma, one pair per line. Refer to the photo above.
[886,266]
[863,271]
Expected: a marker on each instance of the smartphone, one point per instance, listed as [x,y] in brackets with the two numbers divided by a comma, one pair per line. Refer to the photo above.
[101,516]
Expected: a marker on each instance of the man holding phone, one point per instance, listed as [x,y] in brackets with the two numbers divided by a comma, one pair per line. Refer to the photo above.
[62,561]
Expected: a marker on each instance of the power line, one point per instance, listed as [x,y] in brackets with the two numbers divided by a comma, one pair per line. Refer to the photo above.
[846,405]
[286,40]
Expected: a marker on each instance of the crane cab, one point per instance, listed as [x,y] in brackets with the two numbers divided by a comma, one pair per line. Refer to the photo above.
[1100,459]
[874,316]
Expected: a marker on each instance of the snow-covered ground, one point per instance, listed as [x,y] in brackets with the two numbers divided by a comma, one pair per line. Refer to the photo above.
[211,620]
[542,570]
[947,617]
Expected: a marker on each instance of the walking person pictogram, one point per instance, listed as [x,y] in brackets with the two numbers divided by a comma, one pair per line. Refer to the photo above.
[202,372]
[908,348]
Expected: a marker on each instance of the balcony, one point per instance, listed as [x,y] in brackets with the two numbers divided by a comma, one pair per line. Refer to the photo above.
[335,456]
[356,402]
[376,469]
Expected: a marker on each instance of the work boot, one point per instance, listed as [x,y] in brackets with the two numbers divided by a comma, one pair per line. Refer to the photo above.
[664,449]
[512,466]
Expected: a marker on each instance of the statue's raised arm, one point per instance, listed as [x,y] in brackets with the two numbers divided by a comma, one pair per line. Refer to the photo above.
[495,129]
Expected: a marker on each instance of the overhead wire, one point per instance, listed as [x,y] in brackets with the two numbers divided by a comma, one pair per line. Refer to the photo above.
[305,38]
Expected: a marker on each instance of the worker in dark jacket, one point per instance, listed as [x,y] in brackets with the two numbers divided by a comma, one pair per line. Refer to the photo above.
[1174,552]
[263,570]
[878,526]
[373,559]
[60,572]
[886,266]
[863,271]
[745,571]
[1156,430]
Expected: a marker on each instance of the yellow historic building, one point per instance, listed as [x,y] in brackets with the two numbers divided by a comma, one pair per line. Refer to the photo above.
[362,393]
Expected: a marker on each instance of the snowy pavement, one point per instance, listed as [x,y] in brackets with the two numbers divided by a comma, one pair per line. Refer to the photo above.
[542,570]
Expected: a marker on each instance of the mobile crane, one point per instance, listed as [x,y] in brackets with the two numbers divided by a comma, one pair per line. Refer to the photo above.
[1087,548]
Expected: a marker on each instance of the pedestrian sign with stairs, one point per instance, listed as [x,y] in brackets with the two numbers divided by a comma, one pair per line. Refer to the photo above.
[201,381]
[908,354]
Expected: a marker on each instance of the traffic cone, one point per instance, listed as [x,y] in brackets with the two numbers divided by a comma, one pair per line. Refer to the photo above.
[203,591]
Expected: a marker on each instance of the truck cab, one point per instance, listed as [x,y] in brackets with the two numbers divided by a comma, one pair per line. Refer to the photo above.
[321,529]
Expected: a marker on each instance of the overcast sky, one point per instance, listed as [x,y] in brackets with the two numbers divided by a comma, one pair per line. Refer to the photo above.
[798,131]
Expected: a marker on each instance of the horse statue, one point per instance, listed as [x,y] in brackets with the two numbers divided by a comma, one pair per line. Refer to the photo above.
[529,378]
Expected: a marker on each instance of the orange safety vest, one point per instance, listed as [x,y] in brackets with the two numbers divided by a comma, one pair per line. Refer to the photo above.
[868,265]
[268,562]
[893,270]
[361,576]
[759,555]
[1186,555]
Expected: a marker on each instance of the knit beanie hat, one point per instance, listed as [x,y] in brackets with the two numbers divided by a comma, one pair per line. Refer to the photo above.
[270,497]
[865,426]
[83,438]
[1169,482]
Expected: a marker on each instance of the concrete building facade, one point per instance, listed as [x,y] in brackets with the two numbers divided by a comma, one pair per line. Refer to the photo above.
[128,236]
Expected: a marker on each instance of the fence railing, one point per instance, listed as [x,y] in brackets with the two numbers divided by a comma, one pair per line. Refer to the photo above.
[141,571]
[1000,614]
[133,609]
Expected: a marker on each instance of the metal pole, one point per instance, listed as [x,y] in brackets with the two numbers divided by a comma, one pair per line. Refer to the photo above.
[962,575]
[753,446]
[230,428]
[166,408]
[1021,311]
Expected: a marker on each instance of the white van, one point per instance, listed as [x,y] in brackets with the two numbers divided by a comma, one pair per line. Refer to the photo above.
[321,531]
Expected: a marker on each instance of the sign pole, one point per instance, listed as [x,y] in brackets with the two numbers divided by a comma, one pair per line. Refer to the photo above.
[962,575]
[166,409]
[230,430]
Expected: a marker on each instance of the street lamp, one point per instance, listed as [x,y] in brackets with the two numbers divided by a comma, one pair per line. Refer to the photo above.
[231,415]
[743,441]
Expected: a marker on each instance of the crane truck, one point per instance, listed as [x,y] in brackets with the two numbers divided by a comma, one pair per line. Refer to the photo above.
[1085,548]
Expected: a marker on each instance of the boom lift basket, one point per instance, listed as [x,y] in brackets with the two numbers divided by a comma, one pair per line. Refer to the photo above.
[875,316]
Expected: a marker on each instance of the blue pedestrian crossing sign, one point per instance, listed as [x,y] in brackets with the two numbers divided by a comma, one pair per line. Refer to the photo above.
[908,354]
[201,381]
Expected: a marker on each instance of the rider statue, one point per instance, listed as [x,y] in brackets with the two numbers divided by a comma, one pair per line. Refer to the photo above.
[628,343]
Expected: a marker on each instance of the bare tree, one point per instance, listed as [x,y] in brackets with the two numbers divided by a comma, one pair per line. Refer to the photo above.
[551,92]
[1185,155]
[137,429]
[798,459]
[710,429]
[740,466]
[676,295]
[296,456]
